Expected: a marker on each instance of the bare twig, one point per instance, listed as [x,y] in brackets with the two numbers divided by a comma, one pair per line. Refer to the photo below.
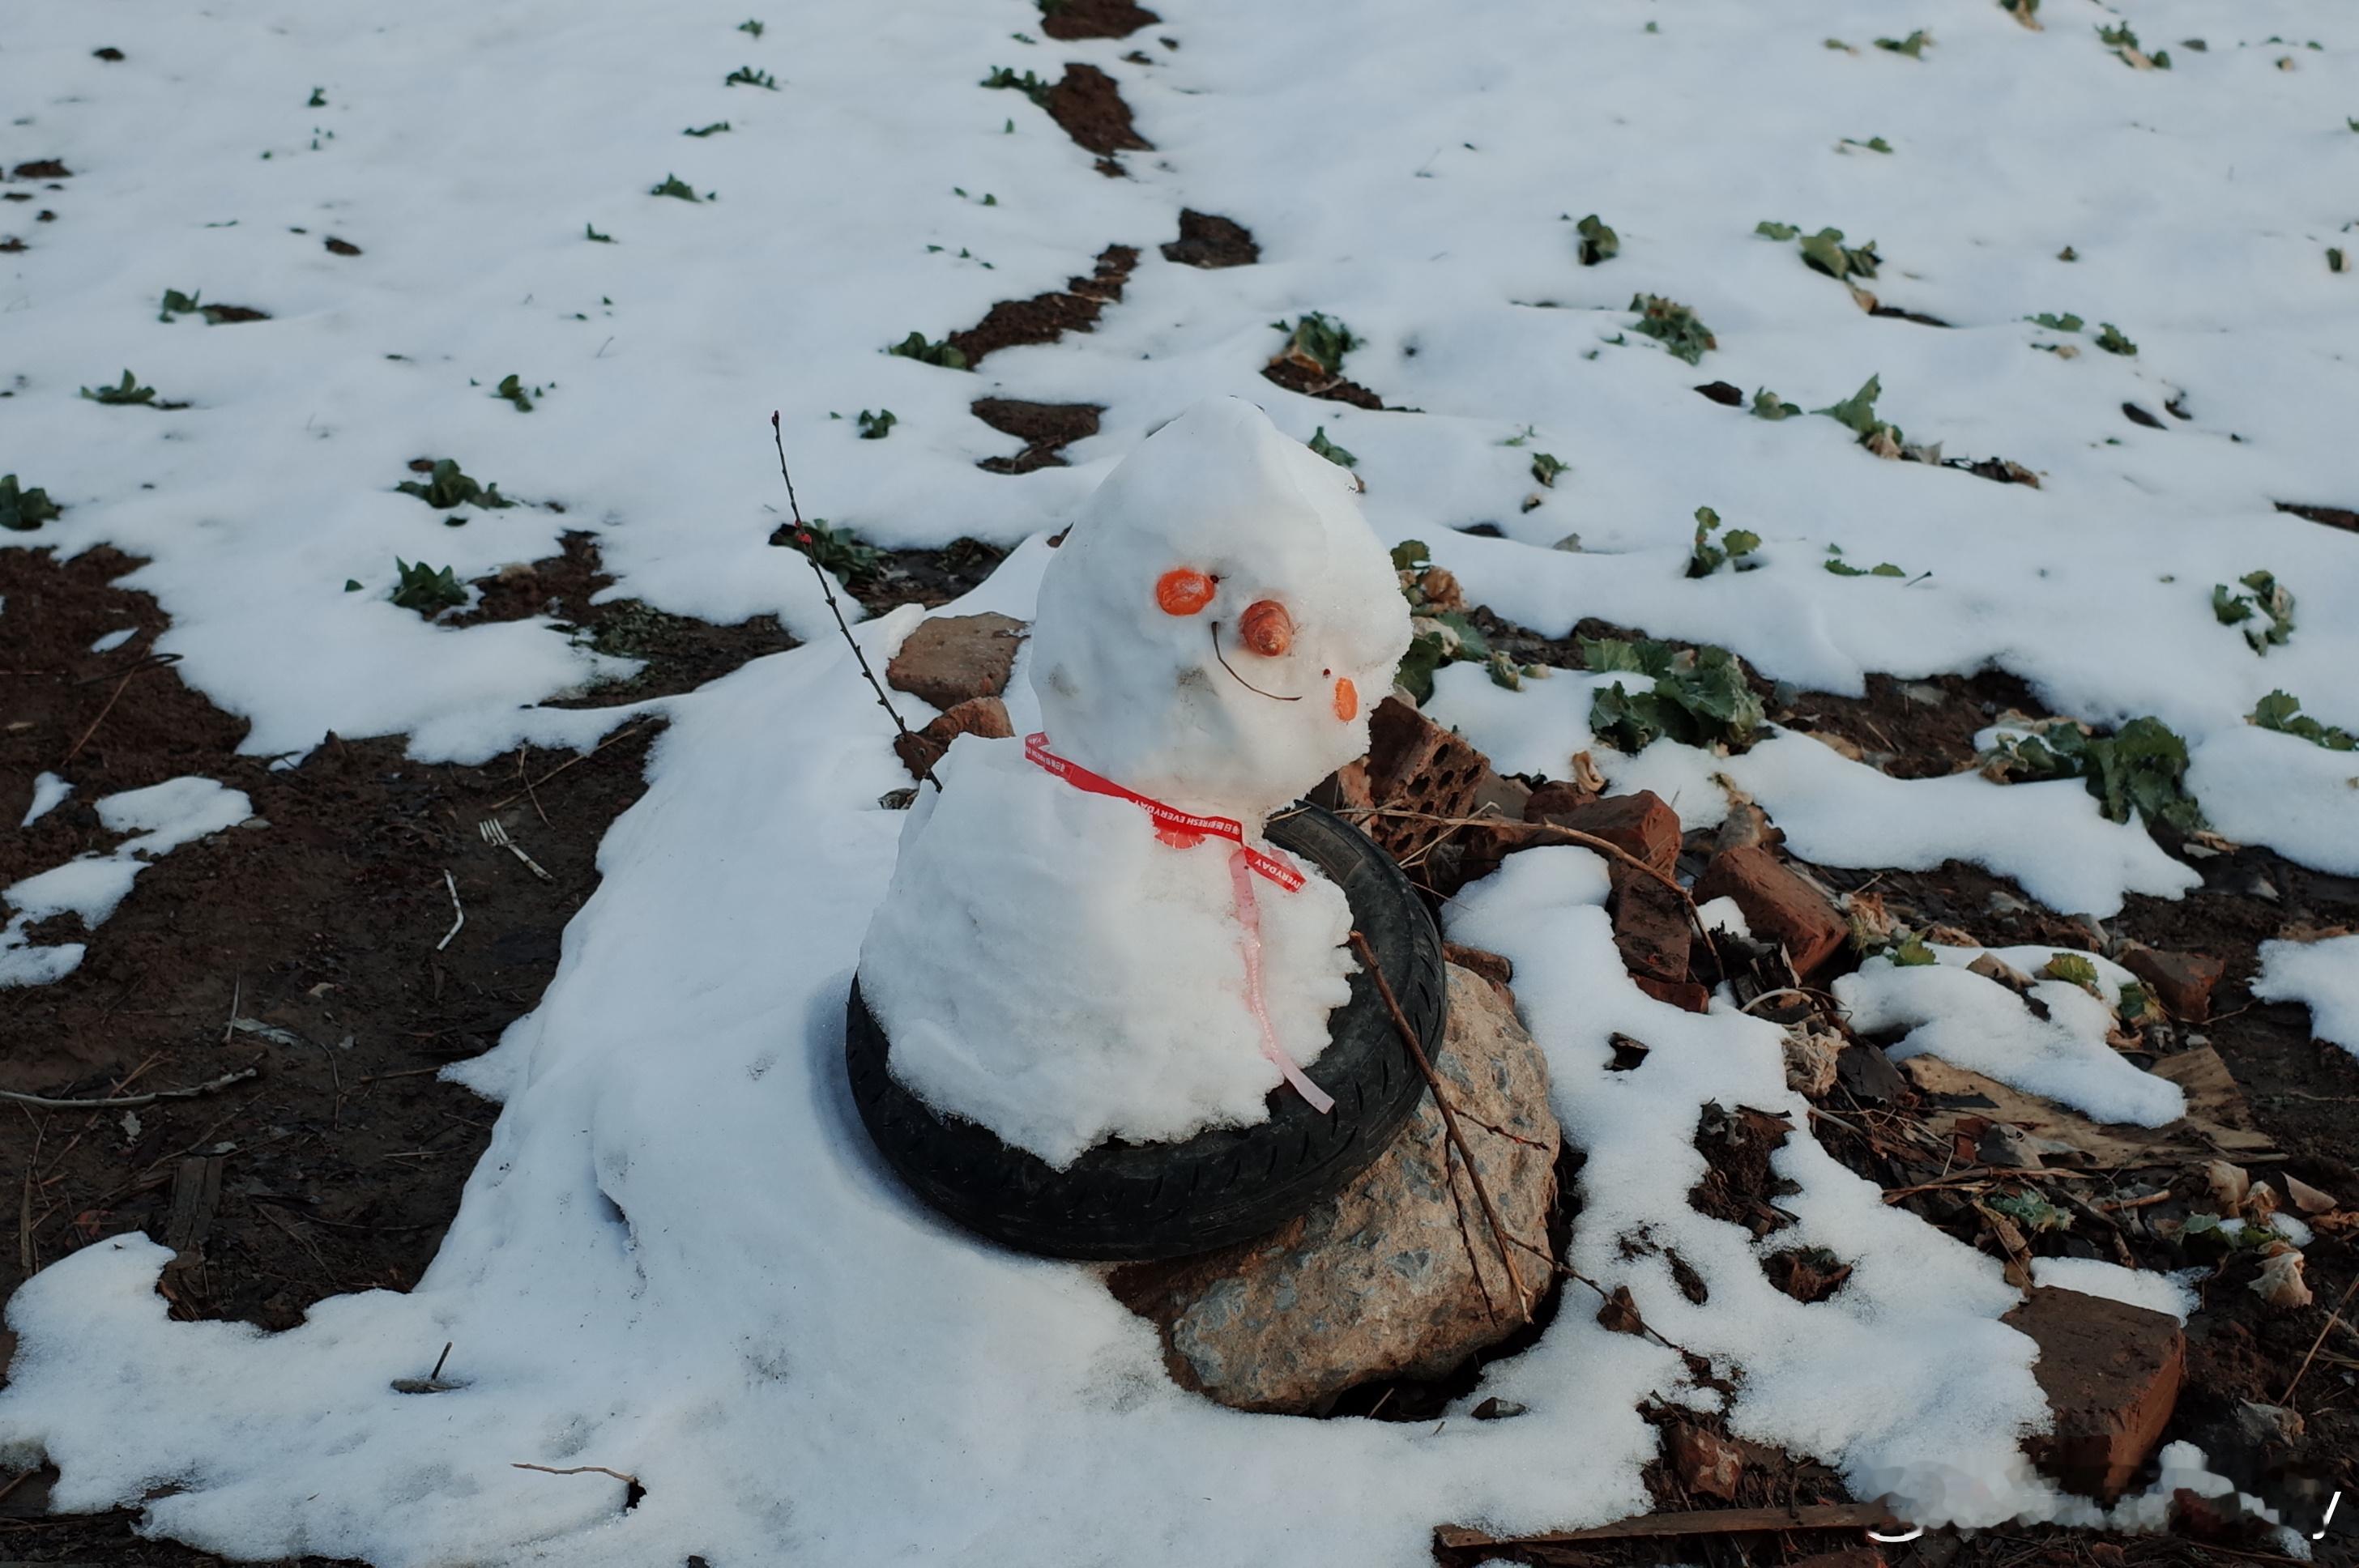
[1466,1237]
[2286,1398]
[579,1470]
[522,752]
[1449,1122]
[130,1102]
[1697,1521]
[451,883]
[827,590]
[25,1203]
[150,662]
[1570,835]
[404,1073]
[633,727]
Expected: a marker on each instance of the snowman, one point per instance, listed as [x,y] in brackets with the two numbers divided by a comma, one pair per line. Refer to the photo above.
[1087,937]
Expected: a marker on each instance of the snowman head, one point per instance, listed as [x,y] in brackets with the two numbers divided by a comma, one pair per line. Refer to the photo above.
[1220,619]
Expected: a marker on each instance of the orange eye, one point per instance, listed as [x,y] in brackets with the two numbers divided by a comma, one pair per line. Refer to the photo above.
[1267,627]
[1347,701]
[1181,591]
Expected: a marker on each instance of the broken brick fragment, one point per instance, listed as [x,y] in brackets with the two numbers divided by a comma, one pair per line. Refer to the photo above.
[1778,902]
[1642,824]
[950,658]
[2181,982]
[2111,1373]
[1704,1461]
[1679,993]
[1650,927]
[1556,795]
[1416,766]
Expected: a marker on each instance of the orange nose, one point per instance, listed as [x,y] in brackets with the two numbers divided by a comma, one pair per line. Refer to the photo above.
[1267,627]
[1183,592]
[1347,701]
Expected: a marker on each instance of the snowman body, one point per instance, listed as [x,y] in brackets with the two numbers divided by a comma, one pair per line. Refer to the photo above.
[1066,967]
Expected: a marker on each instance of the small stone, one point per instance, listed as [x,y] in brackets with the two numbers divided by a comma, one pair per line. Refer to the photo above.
[1705,1462]
[1642,824]
[2181,982]
[950,658]
[1382,1279]
[1497,1409]
[983,716]
[2111,1373]
[1779,904]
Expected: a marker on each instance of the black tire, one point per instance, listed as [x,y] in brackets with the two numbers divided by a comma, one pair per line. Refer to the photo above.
[1127,1201]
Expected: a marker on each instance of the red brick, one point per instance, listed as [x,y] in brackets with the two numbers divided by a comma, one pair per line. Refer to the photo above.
[950,658]
[1705,1462]
[1641,825]
[2180,982]
[1556,795]
[1415,765]
[2111,1373]
[1779,904]
[1650,927]
[1679,993]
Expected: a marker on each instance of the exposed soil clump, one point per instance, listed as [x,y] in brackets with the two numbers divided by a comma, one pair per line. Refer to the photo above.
[2332,516]
[1312,382]
[1087,105]
[1915,728]
[1067,20]
[1045,429]
[1208,240]
[1045,318]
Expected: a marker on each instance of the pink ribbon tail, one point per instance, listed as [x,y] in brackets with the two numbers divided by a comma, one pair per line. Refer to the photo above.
[1240,876]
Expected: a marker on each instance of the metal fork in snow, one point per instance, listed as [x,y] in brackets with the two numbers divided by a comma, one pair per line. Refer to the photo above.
[496,833]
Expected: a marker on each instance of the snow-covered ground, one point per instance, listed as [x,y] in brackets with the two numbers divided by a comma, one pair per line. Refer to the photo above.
[680,1260]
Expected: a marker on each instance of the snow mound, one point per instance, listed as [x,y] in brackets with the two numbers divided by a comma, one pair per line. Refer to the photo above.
[2323,975]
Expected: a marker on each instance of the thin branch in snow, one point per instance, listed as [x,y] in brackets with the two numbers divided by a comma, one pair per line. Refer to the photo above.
[451,883]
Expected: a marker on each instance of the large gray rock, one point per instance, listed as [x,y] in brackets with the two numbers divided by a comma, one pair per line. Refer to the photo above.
[1396,1276]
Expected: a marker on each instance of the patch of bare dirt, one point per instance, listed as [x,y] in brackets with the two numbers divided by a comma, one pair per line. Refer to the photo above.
[1914,729]
[1045,429]
[1087,105]
[1067,20]
[1208,240]
[678,652]
[2332,516]
[338,1165]
[1045,318]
